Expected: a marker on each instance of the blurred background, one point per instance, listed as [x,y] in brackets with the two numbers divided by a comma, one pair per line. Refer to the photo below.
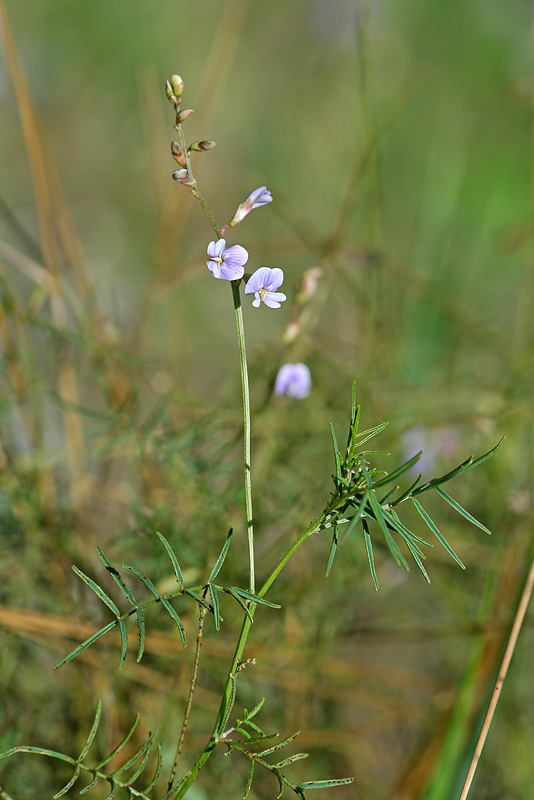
[396,139]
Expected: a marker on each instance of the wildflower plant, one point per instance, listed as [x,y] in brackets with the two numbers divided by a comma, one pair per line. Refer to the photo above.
[365,500]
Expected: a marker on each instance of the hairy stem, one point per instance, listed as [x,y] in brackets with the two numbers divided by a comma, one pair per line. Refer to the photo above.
[201,615]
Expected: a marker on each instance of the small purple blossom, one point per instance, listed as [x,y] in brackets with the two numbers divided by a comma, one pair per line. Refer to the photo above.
[226,262]
[259,197]
[436,444]
[293,380]
[263,284]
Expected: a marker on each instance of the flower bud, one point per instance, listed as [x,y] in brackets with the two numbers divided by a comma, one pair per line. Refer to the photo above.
[182,176]
[177,85]
[171,97]
[205,144]
[259,197]
[183,115]
[178,154]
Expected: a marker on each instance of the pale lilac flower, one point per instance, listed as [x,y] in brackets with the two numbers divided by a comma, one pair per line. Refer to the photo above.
[293,380]
[259,197]
[263,284]
[437,445]
[226,262]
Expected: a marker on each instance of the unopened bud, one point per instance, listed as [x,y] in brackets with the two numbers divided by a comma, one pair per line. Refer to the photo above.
[178,154]
[307,285]
[205,144]
[171,97]
[183,115]
[177,85]
[183,177]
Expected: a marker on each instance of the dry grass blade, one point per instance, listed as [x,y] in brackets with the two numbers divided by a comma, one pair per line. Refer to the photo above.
[510,647]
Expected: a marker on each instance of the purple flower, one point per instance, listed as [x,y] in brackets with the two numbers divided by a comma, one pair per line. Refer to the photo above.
[226,262]
[264,283]
[293,380]
[259,197]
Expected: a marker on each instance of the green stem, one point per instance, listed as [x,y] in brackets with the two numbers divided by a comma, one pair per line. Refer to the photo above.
[229,689]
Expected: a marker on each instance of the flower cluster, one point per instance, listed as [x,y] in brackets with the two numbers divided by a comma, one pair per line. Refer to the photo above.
[228,263]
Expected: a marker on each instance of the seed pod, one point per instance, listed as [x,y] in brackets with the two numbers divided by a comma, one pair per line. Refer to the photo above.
[178,154]
[204,144]
[183,115]
[177,85]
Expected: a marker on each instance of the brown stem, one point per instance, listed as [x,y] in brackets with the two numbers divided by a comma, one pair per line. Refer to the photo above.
[201,615]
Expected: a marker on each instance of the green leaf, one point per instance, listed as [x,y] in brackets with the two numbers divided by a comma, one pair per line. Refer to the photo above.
[88,642]
[325,784]
[401,498]
[165,603]
[254,597]
[215,603]
[220,561]
[148,583]
[370,556]
[116,577]
[279,746]
[457,507]
[172,556]
[287,761]
[141,634]
[70,784]
[89,786]
[249,779]
[250,714]
[124,642]
[336,452]
[391,543]
[124,741]
[142,753]
[198,598]
[156,775]
[368,434]
[92,733]
[392,476]
[333,548]
[241,602]
[97,590]
[439,536]
[40,751]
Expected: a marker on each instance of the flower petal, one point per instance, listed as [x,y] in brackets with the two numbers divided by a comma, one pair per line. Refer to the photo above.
[231,272]
[257,301]
[235,256]
[276,279]
[257,280]
[216,248]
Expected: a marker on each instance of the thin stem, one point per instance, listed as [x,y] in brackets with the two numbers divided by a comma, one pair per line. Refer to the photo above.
[246,429]
[202,613]
[229,689]
[510,647]
[244,373]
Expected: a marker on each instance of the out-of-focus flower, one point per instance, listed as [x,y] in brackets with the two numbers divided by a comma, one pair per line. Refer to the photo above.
[226,262]
[259,197]
[263,284]
[293,380]
[436,445]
